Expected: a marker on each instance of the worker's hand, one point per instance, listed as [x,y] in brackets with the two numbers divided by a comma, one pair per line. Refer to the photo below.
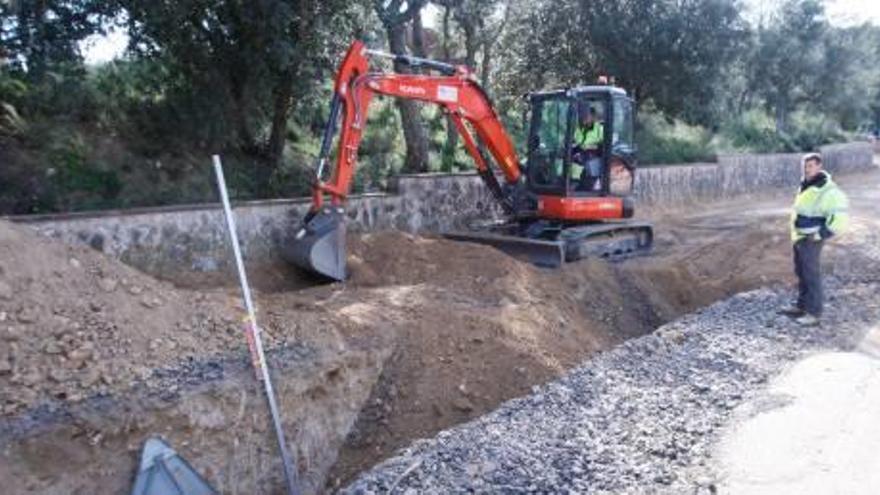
[824,233]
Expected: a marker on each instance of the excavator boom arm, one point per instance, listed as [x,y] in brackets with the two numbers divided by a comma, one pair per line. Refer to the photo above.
[465,101]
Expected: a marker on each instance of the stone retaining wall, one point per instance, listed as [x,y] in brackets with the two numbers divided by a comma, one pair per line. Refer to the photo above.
[163,240]
[736,175]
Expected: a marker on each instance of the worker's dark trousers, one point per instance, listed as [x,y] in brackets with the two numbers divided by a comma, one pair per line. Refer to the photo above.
[806,267]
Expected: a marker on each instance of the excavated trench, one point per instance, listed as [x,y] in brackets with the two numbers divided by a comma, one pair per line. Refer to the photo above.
[427,334]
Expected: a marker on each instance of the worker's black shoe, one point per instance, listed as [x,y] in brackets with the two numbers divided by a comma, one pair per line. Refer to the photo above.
[807,320]
[791,310]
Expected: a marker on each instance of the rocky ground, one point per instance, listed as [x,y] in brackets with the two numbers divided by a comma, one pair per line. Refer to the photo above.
[95,357]
[428,334]
[641,418]
[646,416]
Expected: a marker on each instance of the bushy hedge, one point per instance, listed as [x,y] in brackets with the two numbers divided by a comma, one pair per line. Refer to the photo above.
[667,141]
[663,141]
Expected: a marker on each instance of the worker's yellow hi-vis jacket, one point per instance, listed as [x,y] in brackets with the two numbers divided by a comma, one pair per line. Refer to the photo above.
[587,139]
[820,210]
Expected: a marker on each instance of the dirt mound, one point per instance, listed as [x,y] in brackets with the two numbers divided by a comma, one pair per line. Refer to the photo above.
[468,327]
[95,357]
[396,258]
[74,323]
[474,327]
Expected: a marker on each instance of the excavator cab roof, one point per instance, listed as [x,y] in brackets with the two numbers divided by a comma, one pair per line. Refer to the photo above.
[578,92]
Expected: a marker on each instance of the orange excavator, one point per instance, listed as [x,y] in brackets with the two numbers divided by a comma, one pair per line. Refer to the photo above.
[568,201]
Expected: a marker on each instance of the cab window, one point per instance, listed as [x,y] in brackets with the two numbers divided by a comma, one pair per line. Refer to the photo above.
[547,150]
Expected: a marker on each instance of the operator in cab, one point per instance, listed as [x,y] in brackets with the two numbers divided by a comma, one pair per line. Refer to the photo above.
[589,135]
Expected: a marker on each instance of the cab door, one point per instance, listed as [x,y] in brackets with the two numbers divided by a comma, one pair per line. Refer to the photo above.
[623,159]
[549,136]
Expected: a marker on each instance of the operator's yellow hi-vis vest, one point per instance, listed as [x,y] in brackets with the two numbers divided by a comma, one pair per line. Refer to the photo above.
[588,139]
[819,211]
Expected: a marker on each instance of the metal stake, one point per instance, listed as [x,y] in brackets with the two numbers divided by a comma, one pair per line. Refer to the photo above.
[255,342]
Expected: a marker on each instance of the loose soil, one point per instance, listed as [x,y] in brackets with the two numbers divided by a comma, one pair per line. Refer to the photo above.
[475,327]
[440,332]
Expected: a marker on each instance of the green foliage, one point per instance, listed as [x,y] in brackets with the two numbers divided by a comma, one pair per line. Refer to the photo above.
[381,151]
[240,63]
[755,132]
[77,181]
[664,140]
[666,51]
[37,35]
[810,131]
[64,176]
[252,80]
[12,90]
[849,83]
[789,59]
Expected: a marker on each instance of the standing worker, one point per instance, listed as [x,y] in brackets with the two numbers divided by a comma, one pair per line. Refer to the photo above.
[819,212]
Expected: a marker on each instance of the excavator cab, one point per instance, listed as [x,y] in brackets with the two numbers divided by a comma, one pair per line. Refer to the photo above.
[581,143]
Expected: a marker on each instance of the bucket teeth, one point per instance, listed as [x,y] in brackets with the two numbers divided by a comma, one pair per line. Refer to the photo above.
[319,245]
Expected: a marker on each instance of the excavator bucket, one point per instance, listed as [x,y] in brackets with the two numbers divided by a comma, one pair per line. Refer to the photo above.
[319,245]
[163,472]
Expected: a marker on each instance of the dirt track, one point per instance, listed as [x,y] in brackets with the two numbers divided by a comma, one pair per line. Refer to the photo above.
[465,327]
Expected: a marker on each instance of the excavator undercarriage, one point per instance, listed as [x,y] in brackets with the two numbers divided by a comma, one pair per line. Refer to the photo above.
[557,244]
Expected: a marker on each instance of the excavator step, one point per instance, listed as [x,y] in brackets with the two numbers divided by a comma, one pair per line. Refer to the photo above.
[545,253]
[605,240]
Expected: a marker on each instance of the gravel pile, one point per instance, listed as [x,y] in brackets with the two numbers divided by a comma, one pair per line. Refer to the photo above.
[641,418]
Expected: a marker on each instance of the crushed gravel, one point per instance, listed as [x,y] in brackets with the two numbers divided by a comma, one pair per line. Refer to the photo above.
[641,418]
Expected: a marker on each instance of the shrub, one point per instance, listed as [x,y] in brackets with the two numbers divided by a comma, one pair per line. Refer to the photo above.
[811,131]
[753,132]
[662,140]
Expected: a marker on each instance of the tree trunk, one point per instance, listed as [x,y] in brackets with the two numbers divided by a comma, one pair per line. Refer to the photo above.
[280,111]
[35,43]
[237,89]
[418,37]
[781,119]
[486,66]
[471,44]
[416,143]
[448,155]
